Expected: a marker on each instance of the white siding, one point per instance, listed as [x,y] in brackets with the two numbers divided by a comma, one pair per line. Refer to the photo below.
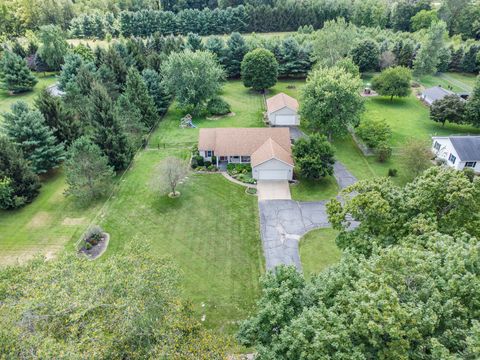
[279,167]
[446,148]
[284,111]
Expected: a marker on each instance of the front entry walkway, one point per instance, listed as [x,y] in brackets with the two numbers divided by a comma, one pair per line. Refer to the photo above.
[273,190]
[284,222]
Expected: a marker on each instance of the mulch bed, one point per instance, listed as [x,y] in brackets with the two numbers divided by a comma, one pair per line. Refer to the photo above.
[97,250]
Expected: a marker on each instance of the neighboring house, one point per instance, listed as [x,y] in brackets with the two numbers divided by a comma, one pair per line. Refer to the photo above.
[459,152]
[434,93]
[268,150]
[282,110]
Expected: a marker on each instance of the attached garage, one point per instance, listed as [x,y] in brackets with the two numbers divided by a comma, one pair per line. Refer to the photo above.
[273,175]
[272,162]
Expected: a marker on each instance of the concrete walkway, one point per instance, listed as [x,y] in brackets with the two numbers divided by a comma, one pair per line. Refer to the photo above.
[284,222]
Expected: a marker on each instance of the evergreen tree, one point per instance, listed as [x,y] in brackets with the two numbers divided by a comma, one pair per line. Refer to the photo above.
[116,63]
[472,109]
[69,70]
[194,42]
[456,60]
[65,126]
[14,74]
[18,183]
[137,95]
[216,45]
[236,50]
[469,63]
[259,69]
[88,173]
[294,60]
[108,133]
[27,129]
[366,55]
[157,91]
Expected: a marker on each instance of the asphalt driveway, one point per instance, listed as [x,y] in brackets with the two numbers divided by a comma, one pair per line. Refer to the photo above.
[284,222]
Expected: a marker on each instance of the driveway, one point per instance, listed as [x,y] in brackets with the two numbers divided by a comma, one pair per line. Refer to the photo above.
[273,190]
[284,222]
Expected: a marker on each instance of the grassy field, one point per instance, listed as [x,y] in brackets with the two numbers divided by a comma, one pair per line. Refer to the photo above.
[6,100]
[318,250]
[458,82]
[311,190]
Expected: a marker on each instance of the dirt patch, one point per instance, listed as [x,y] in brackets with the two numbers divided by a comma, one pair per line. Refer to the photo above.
[74,221]
[40,219]
[218,117]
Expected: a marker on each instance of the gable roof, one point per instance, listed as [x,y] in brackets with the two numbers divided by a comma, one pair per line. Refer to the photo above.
[467,147]
[280,101]
[271,150]
[436,93]
[242,141]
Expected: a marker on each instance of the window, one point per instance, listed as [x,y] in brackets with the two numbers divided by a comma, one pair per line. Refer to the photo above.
[437,145]
[452,158]
[471,164]
[209,153]
[245,159]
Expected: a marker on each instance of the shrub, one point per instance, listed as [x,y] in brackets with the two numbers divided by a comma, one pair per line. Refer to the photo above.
[392,172]
[440,162]
[93,235]
[197,161]
[207,163]
[218,106]
[212,168]
[383,151]
[374,132]
[469,173]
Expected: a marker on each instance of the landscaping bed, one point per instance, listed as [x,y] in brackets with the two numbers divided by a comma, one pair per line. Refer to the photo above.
[94,243]
[241,172]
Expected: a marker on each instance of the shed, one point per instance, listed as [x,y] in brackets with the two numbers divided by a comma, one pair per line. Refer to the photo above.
[434,93]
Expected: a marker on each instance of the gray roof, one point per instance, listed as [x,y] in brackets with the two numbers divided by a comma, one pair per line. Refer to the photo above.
[436,93]
[467,147]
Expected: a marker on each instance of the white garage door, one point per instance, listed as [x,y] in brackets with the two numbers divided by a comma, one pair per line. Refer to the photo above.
[285,120]
[273,175]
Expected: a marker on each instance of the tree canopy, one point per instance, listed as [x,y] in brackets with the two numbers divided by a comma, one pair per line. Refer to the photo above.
[314,156]
[331,101]
[259,69]
[14,74]
[393,81]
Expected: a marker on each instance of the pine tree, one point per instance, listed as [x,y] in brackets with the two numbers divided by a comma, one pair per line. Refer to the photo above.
[136,95]
[108,133]
[88,173]
[65,126]
[69,70]
[157,91]
[194,42]
[27,129]
[116,63]
[18,183]
[236,50]
[14,74]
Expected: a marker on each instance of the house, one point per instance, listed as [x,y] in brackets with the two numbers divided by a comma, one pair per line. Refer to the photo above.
[434,93]
[282,110]
[459,152]
[268,150]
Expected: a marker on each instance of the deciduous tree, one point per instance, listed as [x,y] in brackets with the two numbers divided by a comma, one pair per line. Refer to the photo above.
[451,108]
[428,57]
[53,46]
[314,157]
[331,101]
[417,156]
[88,174]
[169,174]
[393,82]
[259,69]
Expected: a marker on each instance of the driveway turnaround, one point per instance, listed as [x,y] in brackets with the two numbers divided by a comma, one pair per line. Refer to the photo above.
[273,190]
[284,222]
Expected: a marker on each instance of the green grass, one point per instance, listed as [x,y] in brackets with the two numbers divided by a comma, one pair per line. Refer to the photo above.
[314,190]
[43,227]
[458,82]
[318,251]
[6,100]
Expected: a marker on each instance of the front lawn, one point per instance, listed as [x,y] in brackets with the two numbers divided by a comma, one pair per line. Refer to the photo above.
[211,231]
[314,190]
[318,250]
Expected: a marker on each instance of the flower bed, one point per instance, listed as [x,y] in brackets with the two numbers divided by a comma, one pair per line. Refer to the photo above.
[94,242]
[241,172]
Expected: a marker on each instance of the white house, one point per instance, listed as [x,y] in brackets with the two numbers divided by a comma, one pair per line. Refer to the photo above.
[434,93]
[268,150]
[459,152]
[282,110]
